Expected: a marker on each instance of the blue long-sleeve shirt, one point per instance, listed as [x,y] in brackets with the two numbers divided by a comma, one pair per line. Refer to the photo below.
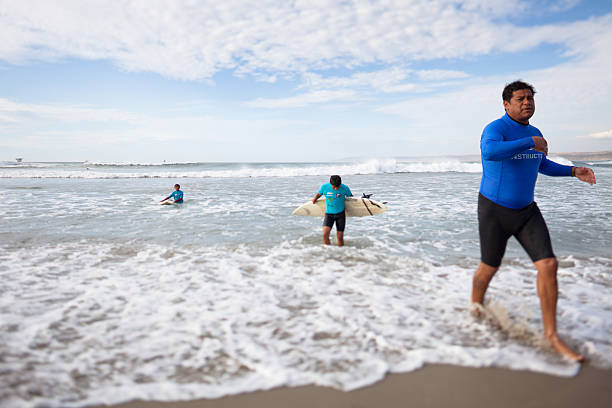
[510,166]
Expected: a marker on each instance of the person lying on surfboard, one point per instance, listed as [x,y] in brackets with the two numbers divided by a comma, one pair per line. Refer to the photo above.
[334,192]
[177,195]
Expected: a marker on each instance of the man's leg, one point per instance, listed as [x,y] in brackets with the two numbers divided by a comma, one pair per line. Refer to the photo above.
[328,223]
[548,293]
[535,239]
[340,225]
[480,283]
[326,231]
[493,239]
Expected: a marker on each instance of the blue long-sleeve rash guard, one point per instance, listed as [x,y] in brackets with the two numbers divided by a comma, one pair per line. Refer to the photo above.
[510,166]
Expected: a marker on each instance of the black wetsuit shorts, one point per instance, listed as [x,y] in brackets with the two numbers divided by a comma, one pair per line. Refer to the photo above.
[496,224]
[339,219]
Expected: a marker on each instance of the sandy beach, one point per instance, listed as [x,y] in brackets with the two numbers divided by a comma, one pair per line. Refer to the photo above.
[432,386]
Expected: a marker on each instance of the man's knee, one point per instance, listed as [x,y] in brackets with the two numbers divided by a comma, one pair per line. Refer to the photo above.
[547,264]
[486,270]
[547,269]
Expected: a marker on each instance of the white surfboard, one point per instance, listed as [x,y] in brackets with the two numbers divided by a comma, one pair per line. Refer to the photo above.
[354,207]
[167,202]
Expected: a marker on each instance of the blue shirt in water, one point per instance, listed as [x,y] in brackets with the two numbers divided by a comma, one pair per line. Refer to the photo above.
[177,195]
[510,166]
[334,199]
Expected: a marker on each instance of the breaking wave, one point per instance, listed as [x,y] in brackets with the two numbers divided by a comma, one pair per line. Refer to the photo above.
[231,170]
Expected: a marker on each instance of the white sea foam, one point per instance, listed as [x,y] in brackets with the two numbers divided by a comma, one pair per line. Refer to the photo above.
[454,166]
[194,170]
[25,165]
[156,322]
[117,170]
[136,164]
[561,160]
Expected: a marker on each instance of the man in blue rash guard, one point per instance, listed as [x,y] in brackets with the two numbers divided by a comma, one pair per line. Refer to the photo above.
[177,195]
[513,152]
[334,192]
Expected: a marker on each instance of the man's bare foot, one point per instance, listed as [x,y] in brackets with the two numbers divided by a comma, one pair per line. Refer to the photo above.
[564,350]
[477,310]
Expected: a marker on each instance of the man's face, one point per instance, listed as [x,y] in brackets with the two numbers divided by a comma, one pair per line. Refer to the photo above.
[521,106]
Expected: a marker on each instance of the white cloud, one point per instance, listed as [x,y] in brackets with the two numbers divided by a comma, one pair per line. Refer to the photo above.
[563,5]
[273,40]
[381,80]
[310,98]
[195,39]
[494,8]
[11,112]
[366,84]
[101,132]
[572,98]
[6,119]
[441,74]
[580,39]
[600,135]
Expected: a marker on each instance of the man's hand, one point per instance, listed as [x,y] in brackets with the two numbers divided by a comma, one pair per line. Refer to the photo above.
[584,174]
[540,145]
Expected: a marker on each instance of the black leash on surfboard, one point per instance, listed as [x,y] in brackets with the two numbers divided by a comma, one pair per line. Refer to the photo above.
[364,195]
[366,206]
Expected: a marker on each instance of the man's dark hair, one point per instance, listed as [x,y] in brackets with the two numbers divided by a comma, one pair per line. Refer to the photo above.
[335,180]
[515,86]
[177,185]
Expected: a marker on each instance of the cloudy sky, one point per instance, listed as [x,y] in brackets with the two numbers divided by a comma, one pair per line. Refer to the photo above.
[299,80]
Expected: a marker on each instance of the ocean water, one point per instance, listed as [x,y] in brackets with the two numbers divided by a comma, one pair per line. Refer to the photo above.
[106,296]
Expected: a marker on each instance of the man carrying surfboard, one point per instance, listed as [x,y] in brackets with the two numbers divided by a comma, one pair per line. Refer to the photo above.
[513,152]
[177,195]
[334,192]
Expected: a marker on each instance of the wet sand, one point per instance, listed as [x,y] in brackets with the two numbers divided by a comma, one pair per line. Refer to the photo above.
[432,386]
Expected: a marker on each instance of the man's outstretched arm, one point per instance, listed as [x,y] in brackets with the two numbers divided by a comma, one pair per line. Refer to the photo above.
[550,168]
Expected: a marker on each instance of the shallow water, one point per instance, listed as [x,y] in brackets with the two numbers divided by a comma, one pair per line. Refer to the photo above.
[108,296]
